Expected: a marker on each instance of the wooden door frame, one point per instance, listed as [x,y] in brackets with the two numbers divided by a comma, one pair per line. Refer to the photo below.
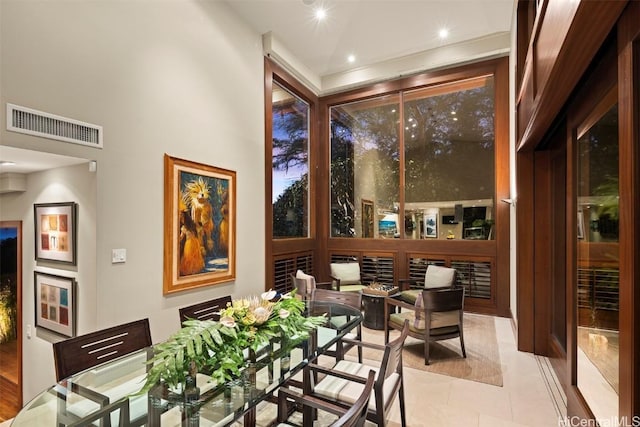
[18,225]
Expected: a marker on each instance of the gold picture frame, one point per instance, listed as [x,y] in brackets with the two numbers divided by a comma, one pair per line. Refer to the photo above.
[199,225]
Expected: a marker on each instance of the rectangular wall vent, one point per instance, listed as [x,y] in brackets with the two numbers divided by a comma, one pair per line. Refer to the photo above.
[34,122]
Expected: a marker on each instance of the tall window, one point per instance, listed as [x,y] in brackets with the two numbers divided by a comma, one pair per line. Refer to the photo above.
[447,139]
[290,174]
[449,161]
[365,168]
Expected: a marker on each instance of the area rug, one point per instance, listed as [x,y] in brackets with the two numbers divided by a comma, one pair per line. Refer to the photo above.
[482,363]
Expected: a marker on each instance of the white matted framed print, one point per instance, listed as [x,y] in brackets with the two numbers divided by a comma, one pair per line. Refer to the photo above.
[431,225]
[55,232]
[55,299]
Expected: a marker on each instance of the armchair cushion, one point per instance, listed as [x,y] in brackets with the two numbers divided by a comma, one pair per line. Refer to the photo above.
[434,277]
[411,296]
[310,280]
[348,273]
[348,391]
[439,320]
[352,288]
[439,277]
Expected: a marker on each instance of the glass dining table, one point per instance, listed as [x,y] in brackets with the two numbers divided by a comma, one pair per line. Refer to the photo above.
[83,395]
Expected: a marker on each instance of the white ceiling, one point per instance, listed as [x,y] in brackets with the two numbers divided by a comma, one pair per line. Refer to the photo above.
[374,31]
[28,161]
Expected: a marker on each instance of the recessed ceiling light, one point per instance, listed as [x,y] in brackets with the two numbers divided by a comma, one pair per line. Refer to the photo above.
[320,14]
[7,163]
[443,33]
[351,58]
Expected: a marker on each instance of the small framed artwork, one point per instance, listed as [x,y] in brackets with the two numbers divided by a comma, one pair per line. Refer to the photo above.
[367,218]
[431,225]
[55,232]
[199,225]
[55,299]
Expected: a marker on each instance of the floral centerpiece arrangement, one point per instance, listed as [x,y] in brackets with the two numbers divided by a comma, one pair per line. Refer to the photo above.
[219,348]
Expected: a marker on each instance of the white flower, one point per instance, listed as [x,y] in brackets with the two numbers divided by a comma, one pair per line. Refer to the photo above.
[268,296]
[287,296]
[261,314]
[283,313]
[228,321]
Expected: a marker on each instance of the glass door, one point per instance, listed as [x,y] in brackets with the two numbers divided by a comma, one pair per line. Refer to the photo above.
[597,201]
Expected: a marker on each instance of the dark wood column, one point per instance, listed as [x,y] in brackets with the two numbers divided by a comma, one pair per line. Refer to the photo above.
[629,125]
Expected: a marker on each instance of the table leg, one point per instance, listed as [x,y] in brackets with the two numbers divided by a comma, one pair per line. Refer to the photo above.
[250,417]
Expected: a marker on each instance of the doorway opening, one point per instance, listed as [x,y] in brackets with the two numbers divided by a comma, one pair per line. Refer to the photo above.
[10,318]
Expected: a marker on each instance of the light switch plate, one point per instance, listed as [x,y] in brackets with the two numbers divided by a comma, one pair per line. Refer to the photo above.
[118,256]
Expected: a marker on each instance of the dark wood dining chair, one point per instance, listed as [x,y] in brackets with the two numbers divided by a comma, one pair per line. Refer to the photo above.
[355,416]
[207,310]
[350,299]
[85,351]
[437,315]
[304,284]
[341,382]
[90,350]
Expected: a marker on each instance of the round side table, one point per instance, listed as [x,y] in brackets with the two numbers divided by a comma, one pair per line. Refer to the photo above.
[373,306]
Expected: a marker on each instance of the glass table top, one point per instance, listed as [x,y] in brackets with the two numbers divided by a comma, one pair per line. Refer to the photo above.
[82,394]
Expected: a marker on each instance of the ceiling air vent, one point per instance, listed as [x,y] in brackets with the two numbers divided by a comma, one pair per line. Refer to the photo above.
[33,122]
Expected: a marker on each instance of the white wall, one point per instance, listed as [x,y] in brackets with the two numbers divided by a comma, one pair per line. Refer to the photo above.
[177,77]
[71,184]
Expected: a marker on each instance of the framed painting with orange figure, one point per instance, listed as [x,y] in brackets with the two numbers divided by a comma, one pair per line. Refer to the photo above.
[199,225]
[55,303]
[55,232]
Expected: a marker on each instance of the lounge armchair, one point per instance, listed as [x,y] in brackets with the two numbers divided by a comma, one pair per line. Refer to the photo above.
[436,315]
[346,277]
[435,277]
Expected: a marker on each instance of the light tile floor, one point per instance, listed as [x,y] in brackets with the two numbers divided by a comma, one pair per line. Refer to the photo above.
[525,399]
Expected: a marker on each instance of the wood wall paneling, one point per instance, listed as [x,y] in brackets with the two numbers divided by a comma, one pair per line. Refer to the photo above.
[629,127]
[557,62]
[543,251]
[502,284]
[525,236]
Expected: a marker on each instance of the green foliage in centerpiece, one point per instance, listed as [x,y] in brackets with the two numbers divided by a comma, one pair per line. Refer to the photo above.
[218,347]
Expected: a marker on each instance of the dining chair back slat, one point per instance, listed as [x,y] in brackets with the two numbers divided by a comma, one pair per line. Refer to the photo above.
[207,310]
[85,351]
